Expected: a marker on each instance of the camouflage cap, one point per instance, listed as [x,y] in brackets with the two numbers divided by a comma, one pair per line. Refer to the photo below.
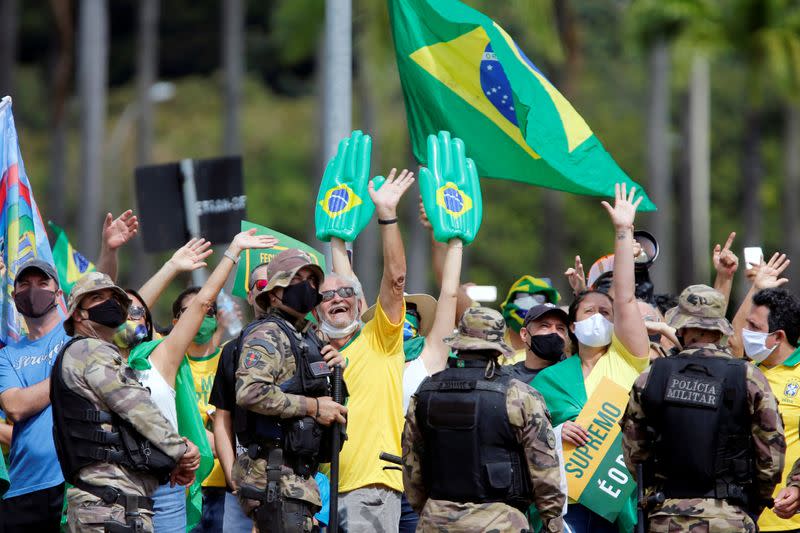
[90,282]
[283,268]
[480,328]
[702,307]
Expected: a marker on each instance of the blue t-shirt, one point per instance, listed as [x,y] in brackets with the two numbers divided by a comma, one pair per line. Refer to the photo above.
[324,495]
[33,463]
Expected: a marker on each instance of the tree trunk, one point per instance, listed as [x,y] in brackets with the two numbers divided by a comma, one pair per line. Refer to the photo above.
[699,172]
[9,24]
[233,63]
[752,172]
[92,84]
[60,84]
[684,264]
[659,169]
[146,75]
[791,195]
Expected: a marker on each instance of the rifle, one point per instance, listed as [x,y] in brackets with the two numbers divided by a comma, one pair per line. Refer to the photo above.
[336,442]
[644,503]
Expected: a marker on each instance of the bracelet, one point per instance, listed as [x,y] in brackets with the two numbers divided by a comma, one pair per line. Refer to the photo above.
[386,222]
[229,255]
[317,415]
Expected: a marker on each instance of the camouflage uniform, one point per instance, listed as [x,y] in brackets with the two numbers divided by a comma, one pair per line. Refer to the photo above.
[703,307]
[483,329]
[95,369]
[266,362]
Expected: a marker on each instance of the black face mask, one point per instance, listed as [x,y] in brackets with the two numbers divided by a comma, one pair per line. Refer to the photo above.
[109,313]
[302,297]
[656,338]
[549,347]
[35,302]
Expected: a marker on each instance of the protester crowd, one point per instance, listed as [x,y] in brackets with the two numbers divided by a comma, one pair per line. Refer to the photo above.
[112,421]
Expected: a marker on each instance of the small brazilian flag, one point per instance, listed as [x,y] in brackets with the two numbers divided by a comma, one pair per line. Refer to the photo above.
[462,73]
[70,264]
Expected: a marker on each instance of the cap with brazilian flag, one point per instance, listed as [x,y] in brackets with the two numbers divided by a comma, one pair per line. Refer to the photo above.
[70,264]
[462,73]
[249,259]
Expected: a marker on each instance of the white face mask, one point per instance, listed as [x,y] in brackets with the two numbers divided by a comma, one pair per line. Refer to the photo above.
[339,333]
[755,345]
[594,331]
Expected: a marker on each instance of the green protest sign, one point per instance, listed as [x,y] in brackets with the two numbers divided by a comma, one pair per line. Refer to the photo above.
[250,259]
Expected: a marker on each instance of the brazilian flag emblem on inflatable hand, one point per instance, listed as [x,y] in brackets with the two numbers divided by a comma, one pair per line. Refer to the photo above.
[450,189]
[343,203]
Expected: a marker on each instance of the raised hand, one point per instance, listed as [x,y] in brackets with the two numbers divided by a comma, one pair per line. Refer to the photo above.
[725,261]
[248,240]
[451,190]
[768,274]
[118,231]
[191,255]
[576,277]
[624,211]
[344,207]
[386,194]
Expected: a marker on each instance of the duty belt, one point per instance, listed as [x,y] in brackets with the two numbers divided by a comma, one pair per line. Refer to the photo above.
[110,495]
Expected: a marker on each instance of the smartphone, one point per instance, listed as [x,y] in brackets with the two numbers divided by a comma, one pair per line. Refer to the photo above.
[753,256]
[482,293]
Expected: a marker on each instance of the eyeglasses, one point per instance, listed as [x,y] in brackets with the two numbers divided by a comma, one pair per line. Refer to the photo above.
[343,292]
[136,312]
[259,284]
[210,312]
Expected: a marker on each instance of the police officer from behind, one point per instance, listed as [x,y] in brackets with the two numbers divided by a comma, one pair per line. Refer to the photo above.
[113,443]
[478,447]
[705,426]
[283,396]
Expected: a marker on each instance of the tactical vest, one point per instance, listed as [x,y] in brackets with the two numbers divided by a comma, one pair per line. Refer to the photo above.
[696,405]
[81,440]
[310,380]
[471,452]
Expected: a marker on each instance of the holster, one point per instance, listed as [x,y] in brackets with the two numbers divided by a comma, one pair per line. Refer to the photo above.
[131,502]
[269,515]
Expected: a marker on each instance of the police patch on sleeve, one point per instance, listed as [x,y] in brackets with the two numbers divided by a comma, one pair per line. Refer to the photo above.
[692,390]
[251,359]
[551,439]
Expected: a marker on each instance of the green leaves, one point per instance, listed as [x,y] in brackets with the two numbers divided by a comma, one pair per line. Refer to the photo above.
[451,190]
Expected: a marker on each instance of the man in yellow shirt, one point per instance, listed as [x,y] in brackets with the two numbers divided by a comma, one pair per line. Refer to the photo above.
[769,337]
[370,489]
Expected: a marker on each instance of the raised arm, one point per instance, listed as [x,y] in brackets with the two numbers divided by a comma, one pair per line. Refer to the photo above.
[187,258]
[169,354]
[726,264]
[628,324]
[394,256]
[435,353]
[116,232]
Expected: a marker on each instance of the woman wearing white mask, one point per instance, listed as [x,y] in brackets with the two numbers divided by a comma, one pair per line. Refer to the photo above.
[612,343]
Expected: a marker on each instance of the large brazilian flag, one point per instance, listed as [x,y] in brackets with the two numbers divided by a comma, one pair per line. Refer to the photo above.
[462,73]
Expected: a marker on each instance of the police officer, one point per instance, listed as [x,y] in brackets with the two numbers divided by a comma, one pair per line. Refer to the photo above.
[478,447]
[283,390]
[113,443]
[705,426]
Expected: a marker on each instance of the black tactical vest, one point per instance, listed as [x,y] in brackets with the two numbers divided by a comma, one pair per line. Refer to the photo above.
[696,405]
[471,452]
[81,440]
[310,380]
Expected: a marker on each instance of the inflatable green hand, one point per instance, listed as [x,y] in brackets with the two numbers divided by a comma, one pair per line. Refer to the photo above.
[450,189]
[343,203]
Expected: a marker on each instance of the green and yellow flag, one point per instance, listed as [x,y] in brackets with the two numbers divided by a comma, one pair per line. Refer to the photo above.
[249,259]
[69,263]
[462,73]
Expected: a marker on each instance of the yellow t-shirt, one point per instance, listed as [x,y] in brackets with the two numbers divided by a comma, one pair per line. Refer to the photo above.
[203,370]
[784,380]
[374,377]
[618,364]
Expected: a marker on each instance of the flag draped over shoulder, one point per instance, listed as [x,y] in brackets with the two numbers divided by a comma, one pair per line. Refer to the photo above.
[461,72]
[22,233]
[70,264]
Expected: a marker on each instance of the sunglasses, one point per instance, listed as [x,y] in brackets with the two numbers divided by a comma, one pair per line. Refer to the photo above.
[136,312]
[344,292]
[259,284]
[210,312]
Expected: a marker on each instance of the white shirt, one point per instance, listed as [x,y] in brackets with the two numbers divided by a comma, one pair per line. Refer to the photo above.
[161,393]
